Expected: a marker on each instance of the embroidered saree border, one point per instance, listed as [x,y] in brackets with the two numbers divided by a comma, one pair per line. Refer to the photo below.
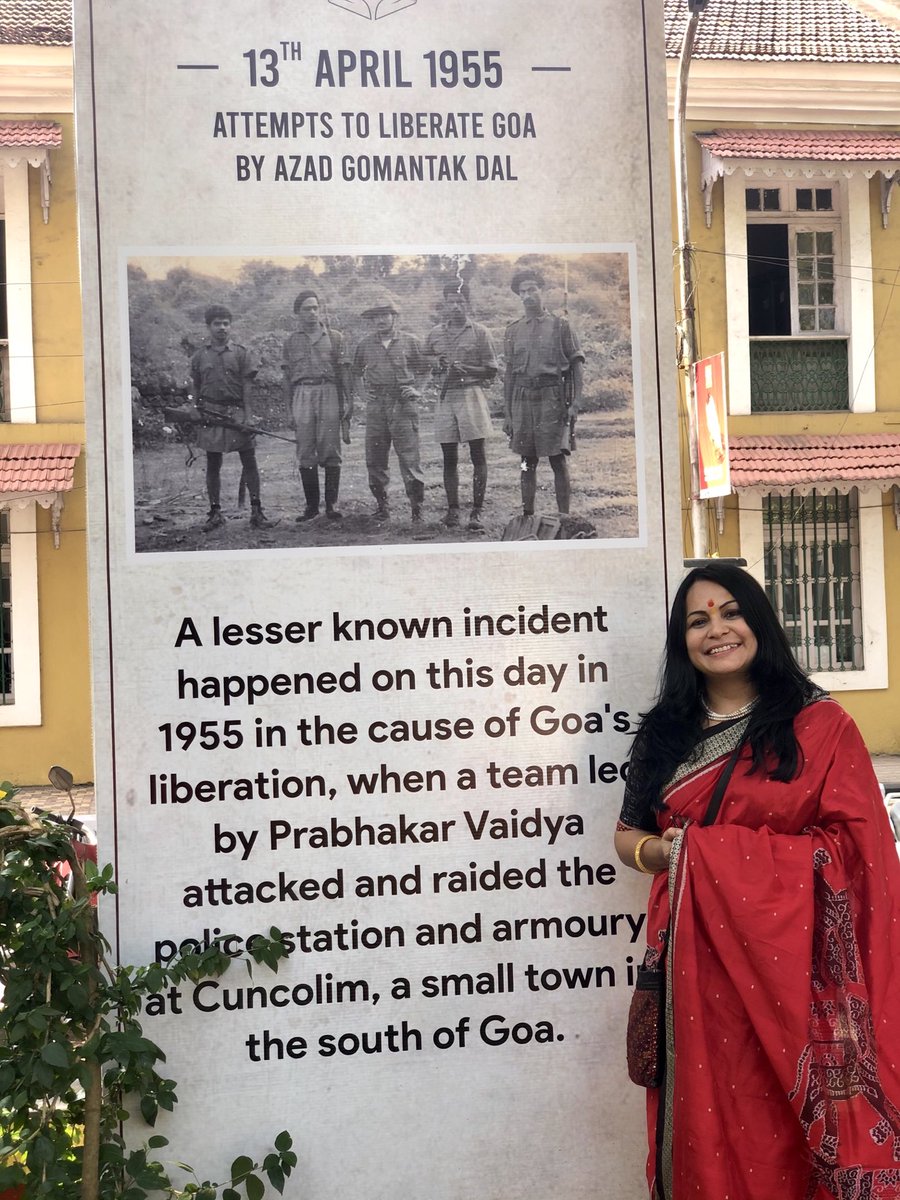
[708,751]
[675,882]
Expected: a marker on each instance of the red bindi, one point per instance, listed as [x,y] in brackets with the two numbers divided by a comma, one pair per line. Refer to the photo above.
[710,604]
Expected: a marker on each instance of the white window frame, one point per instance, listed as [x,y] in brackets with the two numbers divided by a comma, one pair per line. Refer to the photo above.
[851,216]
[795,227]
[25,708]
[21,403]
[874,673]
[21,408]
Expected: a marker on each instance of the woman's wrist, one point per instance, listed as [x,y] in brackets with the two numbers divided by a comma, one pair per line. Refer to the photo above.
[641,855]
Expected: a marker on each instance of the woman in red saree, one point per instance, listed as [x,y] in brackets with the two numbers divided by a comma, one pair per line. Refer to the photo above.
[782,918]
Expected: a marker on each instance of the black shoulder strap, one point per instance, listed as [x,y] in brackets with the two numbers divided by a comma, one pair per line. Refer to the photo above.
[715,801]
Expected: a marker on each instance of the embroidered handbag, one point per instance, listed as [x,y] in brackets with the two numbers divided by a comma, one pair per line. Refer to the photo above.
[645,1036]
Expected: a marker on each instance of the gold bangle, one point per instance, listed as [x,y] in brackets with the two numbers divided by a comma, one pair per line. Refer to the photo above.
[637,854]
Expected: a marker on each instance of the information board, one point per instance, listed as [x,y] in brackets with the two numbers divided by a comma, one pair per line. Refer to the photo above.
[365,283]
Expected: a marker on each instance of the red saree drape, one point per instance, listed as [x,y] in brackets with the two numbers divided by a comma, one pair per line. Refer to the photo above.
[783,1022]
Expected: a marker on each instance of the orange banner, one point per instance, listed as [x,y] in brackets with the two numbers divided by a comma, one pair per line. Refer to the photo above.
[712,427]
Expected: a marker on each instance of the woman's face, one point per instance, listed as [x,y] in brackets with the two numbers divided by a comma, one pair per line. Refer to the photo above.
[720,643]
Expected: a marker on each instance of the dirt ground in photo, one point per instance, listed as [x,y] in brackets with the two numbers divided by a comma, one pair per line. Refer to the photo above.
[171,502]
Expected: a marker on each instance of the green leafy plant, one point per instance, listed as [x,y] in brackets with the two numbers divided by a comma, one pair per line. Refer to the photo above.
[74,1061]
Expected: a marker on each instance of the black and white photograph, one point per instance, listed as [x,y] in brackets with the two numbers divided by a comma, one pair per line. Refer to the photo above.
[359,400]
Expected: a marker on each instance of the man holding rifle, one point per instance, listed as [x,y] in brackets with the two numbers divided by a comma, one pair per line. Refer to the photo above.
[318,400]
[222,373]
[543,382]
[467,361]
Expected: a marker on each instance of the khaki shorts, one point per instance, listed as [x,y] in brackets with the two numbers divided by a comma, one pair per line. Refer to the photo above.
[462,416]
[540,423]
[214,439]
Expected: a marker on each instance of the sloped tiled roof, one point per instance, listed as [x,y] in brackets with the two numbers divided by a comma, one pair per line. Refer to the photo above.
[783,31]
[36,22]
[841,145]
[787,461]
[37,468]
[29,133]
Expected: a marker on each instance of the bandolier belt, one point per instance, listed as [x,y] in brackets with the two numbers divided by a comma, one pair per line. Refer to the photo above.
[465,382]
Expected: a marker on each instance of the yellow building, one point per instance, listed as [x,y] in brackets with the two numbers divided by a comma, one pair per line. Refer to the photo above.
[793,161]
[44,666]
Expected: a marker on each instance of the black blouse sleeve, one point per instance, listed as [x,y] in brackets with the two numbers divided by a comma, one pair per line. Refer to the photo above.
[636,810]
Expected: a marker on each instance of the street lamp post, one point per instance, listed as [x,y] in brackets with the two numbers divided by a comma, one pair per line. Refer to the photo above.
[687,321]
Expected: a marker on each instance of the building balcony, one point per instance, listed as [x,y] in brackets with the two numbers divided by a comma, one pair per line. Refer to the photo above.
[799,374]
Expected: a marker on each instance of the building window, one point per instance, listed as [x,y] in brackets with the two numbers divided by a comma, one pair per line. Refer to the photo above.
[814,257]
[6,666]
[812,576]
[791,280]
[791,274]
[763,199]
[799,348]
[814,200]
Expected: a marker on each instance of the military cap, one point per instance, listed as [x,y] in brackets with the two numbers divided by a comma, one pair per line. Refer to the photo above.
[306,294]
[378,310]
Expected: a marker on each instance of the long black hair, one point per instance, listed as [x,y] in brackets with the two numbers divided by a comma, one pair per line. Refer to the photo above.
[670,730]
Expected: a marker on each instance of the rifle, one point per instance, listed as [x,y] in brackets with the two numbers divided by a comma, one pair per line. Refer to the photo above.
[204,416]
[568,387]
[567,383]
[199,415]
[457,376]
[344,415]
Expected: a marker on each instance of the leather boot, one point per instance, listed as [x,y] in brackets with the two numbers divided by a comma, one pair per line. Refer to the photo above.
[259,520]
[214,519]
[332,487]
[415,490]
[309,478]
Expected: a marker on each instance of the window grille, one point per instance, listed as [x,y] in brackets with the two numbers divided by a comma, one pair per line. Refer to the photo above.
[811,546]
[799,375]
[6,668]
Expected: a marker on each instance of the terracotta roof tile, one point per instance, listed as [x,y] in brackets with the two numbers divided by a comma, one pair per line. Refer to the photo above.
[30,133]
[783,30]
[36,22]
[37,468]
[785,461]
[841,145]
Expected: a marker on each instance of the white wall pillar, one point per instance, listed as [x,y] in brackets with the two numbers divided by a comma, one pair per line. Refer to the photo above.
[857,269]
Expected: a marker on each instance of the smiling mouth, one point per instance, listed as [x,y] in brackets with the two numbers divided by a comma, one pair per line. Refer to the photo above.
[722,649]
